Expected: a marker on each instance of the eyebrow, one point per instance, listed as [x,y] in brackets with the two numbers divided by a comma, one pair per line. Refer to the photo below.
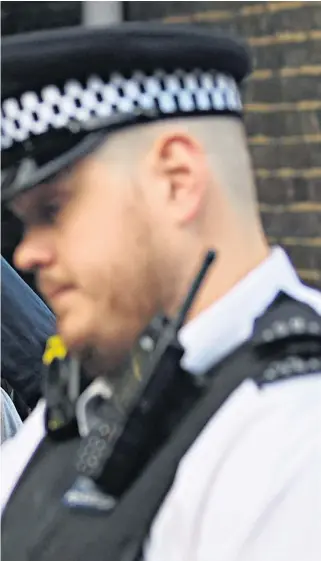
[14,209]
[45,191]
[21,214]
[24,210]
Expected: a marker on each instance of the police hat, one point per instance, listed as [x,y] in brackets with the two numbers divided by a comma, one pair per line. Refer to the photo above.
[64,91]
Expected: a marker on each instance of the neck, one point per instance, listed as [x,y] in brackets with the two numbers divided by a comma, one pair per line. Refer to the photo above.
[231,265]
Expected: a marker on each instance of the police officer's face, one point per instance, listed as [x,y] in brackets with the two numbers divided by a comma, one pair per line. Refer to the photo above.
[107,244]
[87,238]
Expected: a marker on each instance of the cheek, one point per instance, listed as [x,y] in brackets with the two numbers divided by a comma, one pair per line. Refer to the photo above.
[84,244]
[97,243]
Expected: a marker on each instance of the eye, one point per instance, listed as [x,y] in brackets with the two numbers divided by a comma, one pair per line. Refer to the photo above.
[42,207]
[49,211]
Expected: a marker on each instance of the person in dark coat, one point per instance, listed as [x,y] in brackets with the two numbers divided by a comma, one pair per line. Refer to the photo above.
[26,325]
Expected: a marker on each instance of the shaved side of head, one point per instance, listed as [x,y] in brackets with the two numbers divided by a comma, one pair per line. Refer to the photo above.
[223,140]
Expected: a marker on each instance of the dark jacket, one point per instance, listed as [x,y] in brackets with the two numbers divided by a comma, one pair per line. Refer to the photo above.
[26,325]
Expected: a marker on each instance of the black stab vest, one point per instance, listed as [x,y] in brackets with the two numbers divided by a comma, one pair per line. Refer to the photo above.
[38,526]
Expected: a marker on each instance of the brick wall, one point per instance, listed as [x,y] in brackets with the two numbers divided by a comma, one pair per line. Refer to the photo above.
[22,17]
[283,111]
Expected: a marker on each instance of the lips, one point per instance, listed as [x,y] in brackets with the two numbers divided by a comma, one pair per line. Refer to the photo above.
[56,293]
[53,294]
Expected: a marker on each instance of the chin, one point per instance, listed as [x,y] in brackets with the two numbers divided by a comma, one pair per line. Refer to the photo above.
[75,333]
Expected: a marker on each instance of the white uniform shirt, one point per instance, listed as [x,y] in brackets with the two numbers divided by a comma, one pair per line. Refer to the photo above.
[249,489]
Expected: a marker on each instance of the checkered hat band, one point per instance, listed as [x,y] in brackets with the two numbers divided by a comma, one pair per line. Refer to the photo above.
[179,92]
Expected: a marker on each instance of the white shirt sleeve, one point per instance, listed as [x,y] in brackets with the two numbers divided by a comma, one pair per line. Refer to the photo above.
[289,527]
[17,451]
[249,489]
[264,501]
[10,420]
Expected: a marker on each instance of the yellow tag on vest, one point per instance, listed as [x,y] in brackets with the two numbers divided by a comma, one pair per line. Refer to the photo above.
[55,349]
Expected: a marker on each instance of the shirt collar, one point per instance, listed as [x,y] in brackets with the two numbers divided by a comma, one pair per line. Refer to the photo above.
[229,322]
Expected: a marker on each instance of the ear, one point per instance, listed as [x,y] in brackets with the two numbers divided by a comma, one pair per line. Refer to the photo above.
[181,162]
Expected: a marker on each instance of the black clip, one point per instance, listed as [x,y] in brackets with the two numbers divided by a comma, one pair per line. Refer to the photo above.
[62,389]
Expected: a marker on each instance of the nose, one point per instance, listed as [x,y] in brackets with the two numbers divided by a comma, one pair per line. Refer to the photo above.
[34,251]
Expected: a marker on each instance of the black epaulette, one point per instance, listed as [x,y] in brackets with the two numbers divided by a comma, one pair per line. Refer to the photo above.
[289,333]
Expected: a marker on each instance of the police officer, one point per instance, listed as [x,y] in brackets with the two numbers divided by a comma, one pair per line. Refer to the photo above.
[126,159]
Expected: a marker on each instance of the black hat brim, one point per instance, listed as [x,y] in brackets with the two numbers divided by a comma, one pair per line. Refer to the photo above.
[27,174]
